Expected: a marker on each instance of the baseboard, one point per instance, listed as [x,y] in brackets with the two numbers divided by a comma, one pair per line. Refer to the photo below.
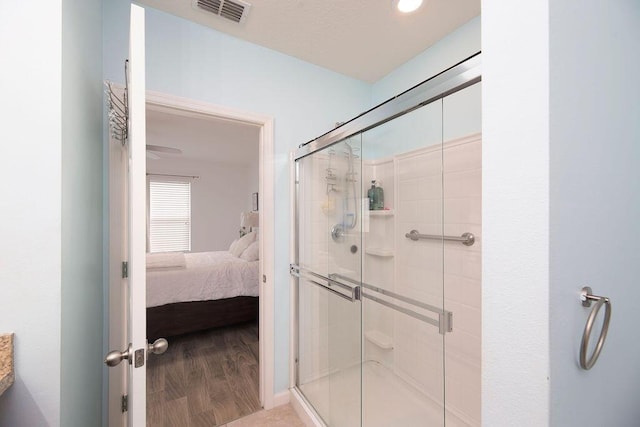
[304,412]
[281,398]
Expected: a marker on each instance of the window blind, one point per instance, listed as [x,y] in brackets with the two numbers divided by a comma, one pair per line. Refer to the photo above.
[169,216]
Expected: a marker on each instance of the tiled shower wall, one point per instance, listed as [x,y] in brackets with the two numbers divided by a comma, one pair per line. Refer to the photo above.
[421,266]
[379,231]
[463,275]
[431,190]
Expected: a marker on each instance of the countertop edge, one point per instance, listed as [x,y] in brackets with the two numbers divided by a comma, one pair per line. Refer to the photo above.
[7,375]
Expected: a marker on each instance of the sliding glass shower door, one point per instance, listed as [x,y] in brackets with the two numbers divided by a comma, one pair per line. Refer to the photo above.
[371,312]
[329,308]
[372,246]
[404,321]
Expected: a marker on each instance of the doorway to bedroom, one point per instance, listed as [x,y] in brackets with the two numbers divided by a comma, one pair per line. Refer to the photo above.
[204,266]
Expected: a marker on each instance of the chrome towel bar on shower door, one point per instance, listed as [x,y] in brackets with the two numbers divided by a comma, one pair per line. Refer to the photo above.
[329,284]
[445,318]
[466,239]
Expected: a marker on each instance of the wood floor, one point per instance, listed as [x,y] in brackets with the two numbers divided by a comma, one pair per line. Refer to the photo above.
[205,379]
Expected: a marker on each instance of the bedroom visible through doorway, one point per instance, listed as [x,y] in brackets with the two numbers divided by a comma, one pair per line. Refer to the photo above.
[203,266]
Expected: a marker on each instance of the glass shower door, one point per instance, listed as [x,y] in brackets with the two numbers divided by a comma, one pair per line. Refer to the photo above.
[329,309]
[404,321]
[372,313]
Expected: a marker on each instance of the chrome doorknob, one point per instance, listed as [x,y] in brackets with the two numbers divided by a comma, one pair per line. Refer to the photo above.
[115,357]
[159,346]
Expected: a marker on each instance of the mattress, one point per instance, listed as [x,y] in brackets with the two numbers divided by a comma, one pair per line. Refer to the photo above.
[206,276]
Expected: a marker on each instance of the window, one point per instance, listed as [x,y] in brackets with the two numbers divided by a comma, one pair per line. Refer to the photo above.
[169,216]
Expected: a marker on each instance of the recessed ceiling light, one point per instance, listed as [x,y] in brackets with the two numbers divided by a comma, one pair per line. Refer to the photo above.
[407,6]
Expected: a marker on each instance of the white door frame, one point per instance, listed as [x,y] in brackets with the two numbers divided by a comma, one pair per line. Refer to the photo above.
[136,218]
[190,107]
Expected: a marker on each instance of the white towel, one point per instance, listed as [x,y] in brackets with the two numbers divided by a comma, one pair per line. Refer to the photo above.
[166,261]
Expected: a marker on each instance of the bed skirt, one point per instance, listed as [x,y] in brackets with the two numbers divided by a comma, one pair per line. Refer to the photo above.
[183,317]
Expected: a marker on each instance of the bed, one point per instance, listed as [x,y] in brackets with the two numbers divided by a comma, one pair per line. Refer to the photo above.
[196,291]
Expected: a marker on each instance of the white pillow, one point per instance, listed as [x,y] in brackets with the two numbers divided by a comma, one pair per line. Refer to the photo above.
[233,244]
[242,244]
[252,253]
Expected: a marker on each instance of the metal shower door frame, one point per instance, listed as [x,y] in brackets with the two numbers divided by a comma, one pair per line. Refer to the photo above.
[456,78]
[449,81]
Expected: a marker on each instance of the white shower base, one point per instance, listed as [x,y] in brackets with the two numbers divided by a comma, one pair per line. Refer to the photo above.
[387,400]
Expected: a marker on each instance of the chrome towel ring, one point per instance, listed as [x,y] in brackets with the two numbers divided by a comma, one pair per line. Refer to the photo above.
[587,297]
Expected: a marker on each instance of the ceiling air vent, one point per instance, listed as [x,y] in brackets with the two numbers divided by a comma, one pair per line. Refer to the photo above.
[234,10]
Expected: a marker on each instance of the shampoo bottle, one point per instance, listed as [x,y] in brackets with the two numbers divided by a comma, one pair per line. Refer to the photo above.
[378,196]
[371,194]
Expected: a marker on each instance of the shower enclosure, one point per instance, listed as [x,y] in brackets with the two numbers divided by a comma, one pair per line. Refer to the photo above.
[387,300]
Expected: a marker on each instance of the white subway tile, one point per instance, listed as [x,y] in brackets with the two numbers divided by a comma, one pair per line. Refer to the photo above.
[462,157]
[463,389]
[462,289]
[465,318]
[429,210]
[463,184]
[407,211]
[408,190]
[466,210]
[461,343]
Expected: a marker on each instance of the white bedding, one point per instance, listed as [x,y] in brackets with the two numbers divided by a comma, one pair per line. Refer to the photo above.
[207,276]
[166,260]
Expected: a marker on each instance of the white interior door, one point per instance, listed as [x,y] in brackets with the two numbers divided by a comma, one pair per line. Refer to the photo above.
[127,244]
[137,222]
[118,253]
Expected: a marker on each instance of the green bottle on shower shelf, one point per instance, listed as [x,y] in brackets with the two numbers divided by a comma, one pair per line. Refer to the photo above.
[376,196]
[371,194]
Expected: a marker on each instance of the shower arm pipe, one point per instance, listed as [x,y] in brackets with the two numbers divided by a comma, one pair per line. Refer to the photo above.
[454,79]
[351,176]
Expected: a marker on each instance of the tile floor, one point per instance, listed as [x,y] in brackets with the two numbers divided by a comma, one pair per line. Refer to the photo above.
[281,416]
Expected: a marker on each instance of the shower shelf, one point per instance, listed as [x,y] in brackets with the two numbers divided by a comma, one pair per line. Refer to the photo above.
[381,252]
[384,213]
[380,339]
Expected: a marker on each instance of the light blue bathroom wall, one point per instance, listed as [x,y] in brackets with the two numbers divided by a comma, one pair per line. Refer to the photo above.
[81,297]
[455,47]
[51,274]
[30,172]
[417,129]
[594,206]
[192,61]
[462,113]
[452,117]
[455,116]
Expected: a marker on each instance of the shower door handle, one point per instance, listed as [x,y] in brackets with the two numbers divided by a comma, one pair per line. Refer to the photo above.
[329,284]
[354,296]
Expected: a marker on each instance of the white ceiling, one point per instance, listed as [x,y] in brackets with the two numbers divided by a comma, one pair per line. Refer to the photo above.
[364,39]
[202,138]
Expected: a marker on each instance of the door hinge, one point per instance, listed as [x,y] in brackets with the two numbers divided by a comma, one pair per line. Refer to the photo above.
[264,278]
[125,269]
[125,403]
